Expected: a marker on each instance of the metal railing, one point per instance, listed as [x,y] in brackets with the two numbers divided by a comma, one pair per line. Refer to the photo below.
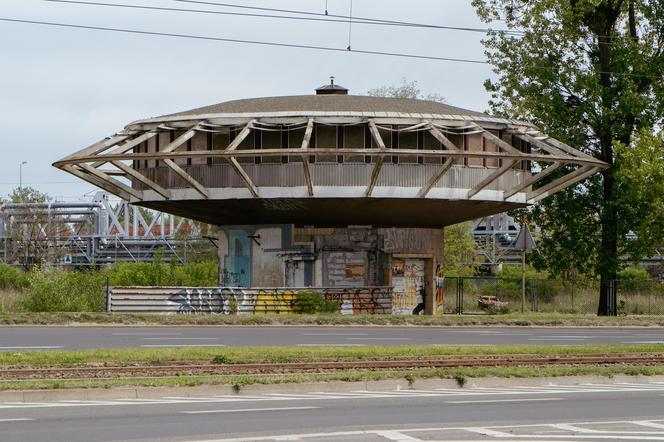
[503,295]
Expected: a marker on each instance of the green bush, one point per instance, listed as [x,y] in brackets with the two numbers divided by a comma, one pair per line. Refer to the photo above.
[315,302]
[197,274]
[12,278]
[63,291]
[633,273]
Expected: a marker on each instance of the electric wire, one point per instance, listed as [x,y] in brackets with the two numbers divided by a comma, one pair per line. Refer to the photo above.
[277,44]
[234,40]
[324,17]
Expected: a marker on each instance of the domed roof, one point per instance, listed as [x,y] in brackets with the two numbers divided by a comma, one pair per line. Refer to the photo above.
[301,104]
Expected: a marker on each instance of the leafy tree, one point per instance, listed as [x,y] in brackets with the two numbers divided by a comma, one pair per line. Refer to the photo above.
[407,89]
[27,195]
[642,175]
[590,73]
[30,230]
[461,257]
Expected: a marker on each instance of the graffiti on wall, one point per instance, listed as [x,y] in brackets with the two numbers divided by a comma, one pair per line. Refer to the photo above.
[408,239]
[345,269]
[373,300]
[243,301]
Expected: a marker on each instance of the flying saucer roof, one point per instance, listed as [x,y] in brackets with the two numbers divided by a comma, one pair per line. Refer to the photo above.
[330,103]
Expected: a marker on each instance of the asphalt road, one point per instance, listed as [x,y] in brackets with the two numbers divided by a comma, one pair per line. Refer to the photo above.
[589,412]
[80,337]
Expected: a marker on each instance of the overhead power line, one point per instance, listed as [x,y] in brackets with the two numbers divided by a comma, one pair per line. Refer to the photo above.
[303,15]
[373,20]
[276,44]
[234,40]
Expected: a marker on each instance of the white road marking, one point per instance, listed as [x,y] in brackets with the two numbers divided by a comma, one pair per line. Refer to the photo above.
[381,339]
[396,436]
[182,339]
[181,345]
[33,347]
[452,394]
[334,334]
[647,424]
[17,419]
[494,432]
[330,345]
[146,334]
[247,410]
[496,401]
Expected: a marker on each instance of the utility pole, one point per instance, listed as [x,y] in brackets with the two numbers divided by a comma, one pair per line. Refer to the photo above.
[524,242]
[20,174]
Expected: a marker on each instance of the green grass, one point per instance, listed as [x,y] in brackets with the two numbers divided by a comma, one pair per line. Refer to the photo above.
[240,355]
[514,319]
[352,376]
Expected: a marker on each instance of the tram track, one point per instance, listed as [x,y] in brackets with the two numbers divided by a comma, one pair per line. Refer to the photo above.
[185,369]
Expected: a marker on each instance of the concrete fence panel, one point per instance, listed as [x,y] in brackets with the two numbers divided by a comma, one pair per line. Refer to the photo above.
[242,301]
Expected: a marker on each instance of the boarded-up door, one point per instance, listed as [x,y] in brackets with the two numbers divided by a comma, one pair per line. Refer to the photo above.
[407,280]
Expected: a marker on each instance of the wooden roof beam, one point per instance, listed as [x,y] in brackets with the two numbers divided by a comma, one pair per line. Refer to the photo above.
[127,146]
[107,186]
[491,178]
[103,176]
[561,183]
[179,141]
[375,173]
[532,180]
[98,147]
[142,178]
[241,136]
[305,158]
[435,178]
[246,178]
[188,178]
[438,135]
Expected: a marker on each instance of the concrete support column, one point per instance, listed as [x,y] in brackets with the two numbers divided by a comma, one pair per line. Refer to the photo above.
[429,286]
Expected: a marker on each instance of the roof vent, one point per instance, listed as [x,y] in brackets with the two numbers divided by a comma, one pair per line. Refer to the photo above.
[331,89]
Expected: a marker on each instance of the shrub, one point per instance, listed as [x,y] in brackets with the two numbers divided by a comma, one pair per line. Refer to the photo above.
[62,291]
[633,273]
[196,274]
[12,278]
[315,302]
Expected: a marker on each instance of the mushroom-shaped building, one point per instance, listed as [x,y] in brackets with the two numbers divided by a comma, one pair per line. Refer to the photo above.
[320,163]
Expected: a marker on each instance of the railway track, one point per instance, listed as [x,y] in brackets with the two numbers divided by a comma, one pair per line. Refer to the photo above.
[88,372]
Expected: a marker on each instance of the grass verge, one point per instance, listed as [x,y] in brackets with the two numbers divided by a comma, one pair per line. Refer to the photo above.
[514,319]
[460,375]
[243,355]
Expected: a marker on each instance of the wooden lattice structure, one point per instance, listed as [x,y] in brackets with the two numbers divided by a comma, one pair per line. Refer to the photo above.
[331,159]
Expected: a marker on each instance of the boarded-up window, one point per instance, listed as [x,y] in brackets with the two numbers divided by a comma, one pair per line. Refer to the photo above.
[220,141]
[408,140]
[326,138]
[271,139]
[152,143]
[431,143]
[295,138]
[354,139]
[492,147]
[474,143]
[199,143]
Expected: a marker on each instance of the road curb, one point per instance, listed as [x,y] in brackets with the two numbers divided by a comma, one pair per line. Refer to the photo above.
[309,387]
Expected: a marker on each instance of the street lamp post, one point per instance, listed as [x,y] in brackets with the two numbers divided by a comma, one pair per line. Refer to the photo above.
[20,174]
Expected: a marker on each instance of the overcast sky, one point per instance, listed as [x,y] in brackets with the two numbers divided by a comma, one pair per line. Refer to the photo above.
[63,89]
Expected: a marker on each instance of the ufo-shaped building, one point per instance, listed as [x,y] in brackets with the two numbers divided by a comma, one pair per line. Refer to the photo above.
[330,189]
